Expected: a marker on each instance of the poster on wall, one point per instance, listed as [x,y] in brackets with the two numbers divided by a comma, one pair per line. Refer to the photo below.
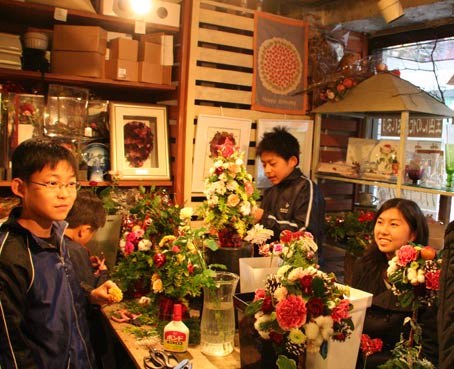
[280,64]
[301,129]
[211,131]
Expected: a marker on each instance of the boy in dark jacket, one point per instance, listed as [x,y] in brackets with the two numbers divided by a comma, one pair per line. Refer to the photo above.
[42,307]
[446,303]
[294,202]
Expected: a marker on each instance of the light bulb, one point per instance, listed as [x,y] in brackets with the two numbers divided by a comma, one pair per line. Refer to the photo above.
[141,7]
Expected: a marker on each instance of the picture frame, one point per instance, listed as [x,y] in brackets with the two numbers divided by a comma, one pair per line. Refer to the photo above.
[139,141]
[207,127]
[301,129]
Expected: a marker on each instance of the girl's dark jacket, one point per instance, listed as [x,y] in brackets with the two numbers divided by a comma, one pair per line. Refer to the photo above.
[42,307]
[294,203]
[446,302]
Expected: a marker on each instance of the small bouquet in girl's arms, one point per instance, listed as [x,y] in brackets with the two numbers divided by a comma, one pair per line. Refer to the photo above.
[414,273]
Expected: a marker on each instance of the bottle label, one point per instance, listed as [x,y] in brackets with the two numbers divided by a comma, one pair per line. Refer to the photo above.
[175,341]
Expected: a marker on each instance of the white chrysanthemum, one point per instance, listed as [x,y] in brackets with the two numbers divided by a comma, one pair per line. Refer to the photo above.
[258,235]
[187,212]
[280,293]
[223,177]
[312,330]
[239,162]
[213,201]
[232,185]
[245,208]
[297,337]
[218,163]
[282,270]
[296,274]
[144,245]
[220,187]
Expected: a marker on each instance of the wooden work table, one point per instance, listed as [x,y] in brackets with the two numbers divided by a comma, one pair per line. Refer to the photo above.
[138,351]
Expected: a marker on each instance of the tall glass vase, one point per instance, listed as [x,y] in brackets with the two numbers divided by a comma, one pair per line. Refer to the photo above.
[449,155]
[217,329]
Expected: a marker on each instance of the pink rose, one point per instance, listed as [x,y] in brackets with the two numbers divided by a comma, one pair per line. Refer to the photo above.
[259,294]
[233,200]
[291,312]
[406,254]
[433,280]
[341,311]
[249,188]
[129,247]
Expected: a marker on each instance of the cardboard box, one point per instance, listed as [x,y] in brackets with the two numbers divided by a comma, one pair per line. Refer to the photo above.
[122,70]
[79,63]
[166,44]
[125,49]
[150,52]
[155,73]
[79,38]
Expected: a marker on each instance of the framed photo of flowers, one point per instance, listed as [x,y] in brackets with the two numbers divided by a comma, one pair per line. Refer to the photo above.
[139,141]
[301,129]
[212,130]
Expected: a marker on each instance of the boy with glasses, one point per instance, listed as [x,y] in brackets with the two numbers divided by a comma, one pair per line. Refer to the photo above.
[42,307]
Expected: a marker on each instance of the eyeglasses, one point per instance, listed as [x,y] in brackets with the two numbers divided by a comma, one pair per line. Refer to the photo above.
[56,186]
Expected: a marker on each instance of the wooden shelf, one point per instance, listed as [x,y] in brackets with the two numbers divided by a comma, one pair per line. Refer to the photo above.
[124,183]
[22,75]
[43,16]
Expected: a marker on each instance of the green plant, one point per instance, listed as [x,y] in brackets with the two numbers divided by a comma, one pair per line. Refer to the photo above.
[351,230]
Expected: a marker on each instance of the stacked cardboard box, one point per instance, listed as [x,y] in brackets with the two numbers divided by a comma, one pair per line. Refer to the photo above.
[79,50]
[122,64]
[156,58]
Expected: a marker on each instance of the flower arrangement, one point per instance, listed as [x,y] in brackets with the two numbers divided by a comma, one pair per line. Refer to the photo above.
[300,307]
[231,195]
[160,253]
[415,273]
[337,90]
[352,230]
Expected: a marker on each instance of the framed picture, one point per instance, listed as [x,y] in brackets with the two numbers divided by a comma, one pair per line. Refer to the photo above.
[209,130]
[139,141]
[301,129]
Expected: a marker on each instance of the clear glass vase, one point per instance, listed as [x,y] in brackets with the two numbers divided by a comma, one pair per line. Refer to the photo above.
[217,330]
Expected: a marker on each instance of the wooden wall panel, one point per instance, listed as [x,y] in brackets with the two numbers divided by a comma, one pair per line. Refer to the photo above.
[220,75]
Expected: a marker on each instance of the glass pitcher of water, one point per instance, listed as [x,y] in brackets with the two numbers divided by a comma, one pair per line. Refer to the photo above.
[217,330]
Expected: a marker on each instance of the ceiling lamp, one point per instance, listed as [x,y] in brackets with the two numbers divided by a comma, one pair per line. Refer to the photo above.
[390,10]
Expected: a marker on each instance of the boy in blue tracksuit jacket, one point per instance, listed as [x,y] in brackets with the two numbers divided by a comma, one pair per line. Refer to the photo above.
[294,202]
[42,307]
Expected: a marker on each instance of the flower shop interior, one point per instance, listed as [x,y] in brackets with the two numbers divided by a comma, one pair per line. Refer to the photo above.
[145,99]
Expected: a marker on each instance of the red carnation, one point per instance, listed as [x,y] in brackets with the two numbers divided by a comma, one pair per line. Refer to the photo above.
[291,312]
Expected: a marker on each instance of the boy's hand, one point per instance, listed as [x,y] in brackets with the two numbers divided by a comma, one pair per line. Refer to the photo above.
[258,214]
[101,296]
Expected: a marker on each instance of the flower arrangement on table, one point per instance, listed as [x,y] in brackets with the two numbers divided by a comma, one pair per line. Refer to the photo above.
[231,196]
[352,230]
[161,255]
[414,273]
[301,307]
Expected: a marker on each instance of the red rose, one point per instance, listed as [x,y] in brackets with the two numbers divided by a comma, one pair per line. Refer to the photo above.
[315,307]
[291,312]
[267,305]
[306,284]
[277,338]
[159,259]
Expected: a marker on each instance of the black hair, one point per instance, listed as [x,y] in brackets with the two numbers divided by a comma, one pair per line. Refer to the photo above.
[376,260]
[88,209]
[280,142]
[33,155]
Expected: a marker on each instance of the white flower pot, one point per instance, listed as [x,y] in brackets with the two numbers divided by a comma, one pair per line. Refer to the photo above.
[343,355]
[253,272]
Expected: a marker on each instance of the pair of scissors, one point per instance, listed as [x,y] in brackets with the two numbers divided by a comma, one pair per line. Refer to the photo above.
[159,359]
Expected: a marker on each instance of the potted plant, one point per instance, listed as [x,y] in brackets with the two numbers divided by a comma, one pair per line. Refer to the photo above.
[352,231]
